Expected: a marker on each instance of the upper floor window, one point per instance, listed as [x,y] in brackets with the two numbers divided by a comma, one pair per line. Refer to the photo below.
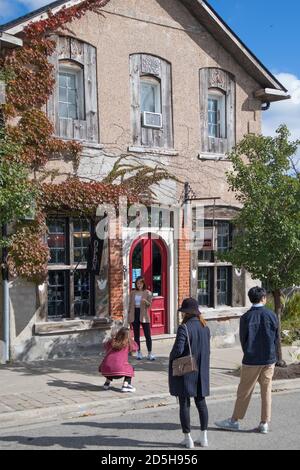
[151,102]
[216,114]
[150,95]
[73,106]
[71,93]
[217,111]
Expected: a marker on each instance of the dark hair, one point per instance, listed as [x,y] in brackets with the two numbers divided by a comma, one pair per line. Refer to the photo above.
[256,294]
[140,278]
[121,339]
[188,316]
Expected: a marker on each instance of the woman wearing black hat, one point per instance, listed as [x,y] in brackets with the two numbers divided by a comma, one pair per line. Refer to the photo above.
[193,330]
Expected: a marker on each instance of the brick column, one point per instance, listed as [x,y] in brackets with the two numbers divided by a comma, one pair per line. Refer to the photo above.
[116,277]
[184,267]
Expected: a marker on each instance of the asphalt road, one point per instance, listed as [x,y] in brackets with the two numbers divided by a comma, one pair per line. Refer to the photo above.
[158,428]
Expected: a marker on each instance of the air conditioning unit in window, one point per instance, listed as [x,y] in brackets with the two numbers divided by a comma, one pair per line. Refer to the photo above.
[153,120]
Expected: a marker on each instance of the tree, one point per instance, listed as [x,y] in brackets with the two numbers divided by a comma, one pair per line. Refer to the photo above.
[267,240]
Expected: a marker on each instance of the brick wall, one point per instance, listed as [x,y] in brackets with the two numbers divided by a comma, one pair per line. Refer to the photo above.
[184,272]
[116,277]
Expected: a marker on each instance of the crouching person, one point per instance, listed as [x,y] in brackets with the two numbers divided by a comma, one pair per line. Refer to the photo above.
[115,364]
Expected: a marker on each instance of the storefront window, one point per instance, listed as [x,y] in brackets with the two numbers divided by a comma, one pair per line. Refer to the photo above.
[70,286]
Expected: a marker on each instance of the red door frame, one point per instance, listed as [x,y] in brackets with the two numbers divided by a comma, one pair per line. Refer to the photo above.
[147,241]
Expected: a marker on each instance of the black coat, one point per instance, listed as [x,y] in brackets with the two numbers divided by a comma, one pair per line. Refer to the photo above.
[259,335]
[196,383]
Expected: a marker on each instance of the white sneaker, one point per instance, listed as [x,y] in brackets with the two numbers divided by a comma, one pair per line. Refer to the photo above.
[151,357]
[128,389]
[203,441]
[188,442]
[263,428]
[228,425]
[139,356]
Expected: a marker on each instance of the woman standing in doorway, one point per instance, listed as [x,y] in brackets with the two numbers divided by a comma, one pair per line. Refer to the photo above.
[192,335]
[138,313]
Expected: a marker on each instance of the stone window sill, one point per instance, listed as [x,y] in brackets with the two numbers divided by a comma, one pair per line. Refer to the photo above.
[154,151]
[70,326]
[212,156]
[223,313]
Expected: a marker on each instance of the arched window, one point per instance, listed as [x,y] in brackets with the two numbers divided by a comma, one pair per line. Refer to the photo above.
[71,91]
[151,102]
[217,112]
[73,105]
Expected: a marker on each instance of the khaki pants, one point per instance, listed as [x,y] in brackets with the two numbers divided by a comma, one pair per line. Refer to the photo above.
[250,375]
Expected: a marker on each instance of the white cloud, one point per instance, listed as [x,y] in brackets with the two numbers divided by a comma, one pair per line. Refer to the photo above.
[285,112]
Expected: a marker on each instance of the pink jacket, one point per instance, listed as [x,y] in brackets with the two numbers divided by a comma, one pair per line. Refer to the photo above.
[115,363]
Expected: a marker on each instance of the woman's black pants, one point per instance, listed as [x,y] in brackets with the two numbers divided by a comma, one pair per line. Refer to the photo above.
[185,405]
[136,330]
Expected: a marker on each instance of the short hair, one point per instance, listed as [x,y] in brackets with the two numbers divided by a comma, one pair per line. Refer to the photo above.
[256,294]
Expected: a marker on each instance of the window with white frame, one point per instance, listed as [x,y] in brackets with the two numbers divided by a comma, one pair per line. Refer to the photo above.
[150,95]
[71,94]
[216,114]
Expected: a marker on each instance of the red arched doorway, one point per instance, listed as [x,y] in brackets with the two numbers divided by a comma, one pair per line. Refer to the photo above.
[149,258]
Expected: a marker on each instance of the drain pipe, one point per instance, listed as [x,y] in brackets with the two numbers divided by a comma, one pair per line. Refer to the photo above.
[5,302]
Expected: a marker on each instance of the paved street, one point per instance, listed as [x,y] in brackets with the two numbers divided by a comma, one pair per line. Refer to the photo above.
[158,429]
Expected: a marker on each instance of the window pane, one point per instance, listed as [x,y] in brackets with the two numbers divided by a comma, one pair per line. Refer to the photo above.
[148,97]
[223,236]
[204,292]
[63,110]
[67,94]
[136,263]
[72,97]
[81,239]
[81,293]
[62,94]
[57,307]
[62,80]
[223,286]
[72,111]
[57,241]
[156,270]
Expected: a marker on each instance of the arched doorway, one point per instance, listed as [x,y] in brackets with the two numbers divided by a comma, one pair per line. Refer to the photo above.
[149,258]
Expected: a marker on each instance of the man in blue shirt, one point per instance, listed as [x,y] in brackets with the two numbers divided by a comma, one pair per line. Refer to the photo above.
[259,337]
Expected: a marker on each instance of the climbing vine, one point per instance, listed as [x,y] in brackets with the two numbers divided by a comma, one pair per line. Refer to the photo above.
[30,82]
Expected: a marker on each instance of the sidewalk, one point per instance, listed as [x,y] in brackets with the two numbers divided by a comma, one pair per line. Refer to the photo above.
[68,388]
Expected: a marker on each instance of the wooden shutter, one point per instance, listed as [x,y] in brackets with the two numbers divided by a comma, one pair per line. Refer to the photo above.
[204,110]
[90,88]
[52,104]
[86,128]
[147,65]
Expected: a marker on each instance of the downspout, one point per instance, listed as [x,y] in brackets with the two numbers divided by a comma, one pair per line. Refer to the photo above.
[5,301]
[265,106]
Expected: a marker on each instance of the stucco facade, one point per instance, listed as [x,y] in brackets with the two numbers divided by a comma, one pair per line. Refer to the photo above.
[167,30]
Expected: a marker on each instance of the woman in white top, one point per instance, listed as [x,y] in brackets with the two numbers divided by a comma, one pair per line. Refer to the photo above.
[139,304]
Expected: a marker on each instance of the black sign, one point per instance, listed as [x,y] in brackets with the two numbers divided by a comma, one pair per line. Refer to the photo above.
[95,255]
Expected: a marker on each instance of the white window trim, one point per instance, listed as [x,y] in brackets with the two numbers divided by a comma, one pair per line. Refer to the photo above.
[220,97]
[78,71]
[156,82]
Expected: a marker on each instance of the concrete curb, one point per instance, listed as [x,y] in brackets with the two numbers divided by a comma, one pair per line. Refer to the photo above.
[122,405]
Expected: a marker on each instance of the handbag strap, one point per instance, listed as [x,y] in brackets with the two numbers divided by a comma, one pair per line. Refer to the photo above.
[187,332]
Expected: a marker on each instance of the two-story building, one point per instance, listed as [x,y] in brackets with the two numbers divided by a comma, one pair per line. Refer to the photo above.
[168,82]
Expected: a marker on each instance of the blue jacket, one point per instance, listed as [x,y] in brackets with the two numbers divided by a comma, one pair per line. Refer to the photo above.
[196,383]
[259,336]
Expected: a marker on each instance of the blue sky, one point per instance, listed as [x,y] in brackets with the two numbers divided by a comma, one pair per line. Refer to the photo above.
[270,28]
